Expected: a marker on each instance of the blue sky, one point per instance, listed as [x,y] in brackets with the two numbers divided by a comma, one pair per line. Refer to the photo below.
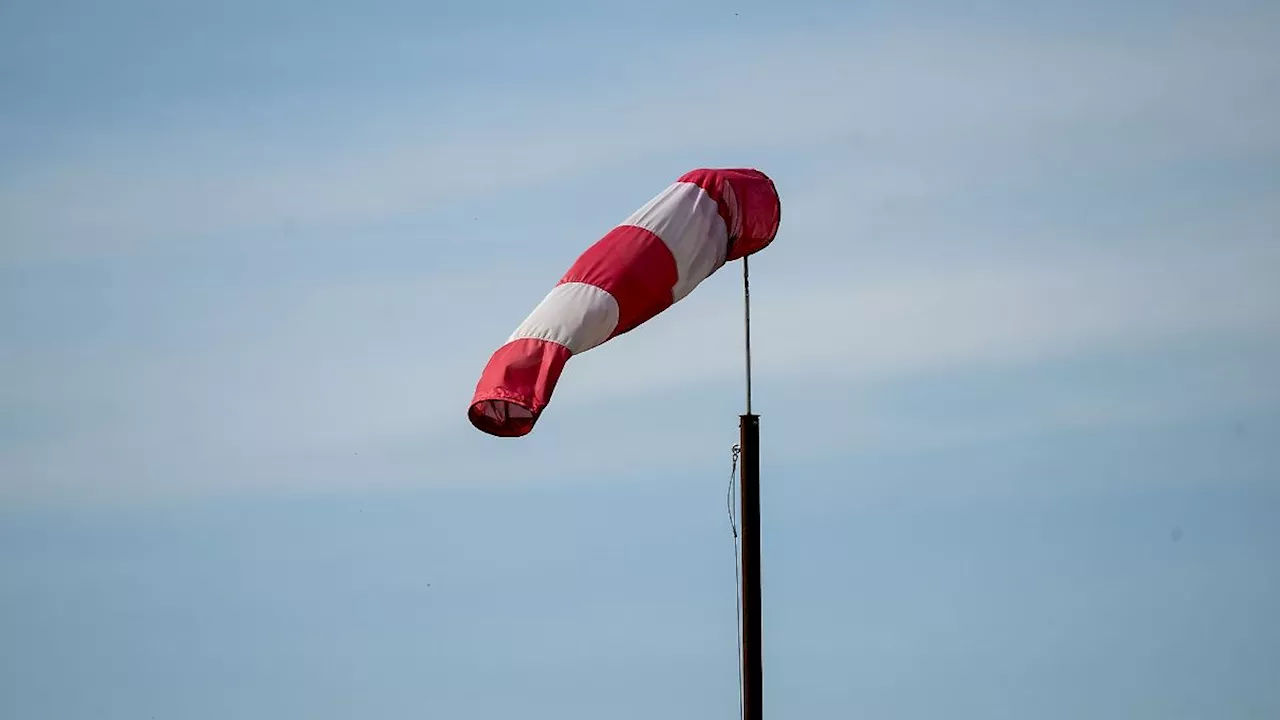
[1019,332]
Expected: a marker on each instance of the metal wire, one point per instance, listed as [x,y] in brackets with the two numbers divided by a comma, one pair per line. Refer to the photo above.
[737,570]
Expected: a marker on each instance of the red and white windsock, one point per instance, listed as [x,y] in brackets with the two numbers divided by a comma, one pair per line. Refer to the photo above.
[640,268]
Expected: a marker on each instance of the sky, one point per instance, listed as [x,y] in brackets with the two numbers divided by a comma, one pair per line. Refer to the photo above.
[1016,353]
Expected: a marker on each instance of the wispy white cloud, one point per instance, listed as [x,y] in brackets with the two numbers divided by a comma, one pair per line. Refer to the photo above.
[343,381]
[922,106]
[355,388]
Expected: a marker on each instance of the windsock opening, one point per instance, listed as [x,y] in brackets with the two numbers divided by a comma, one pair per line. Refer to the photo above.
[516,386]
[503,418]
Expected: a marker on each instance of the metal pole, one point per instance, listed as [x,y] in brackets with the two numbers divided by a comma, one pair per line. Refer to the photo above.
[749,489]
[746,317]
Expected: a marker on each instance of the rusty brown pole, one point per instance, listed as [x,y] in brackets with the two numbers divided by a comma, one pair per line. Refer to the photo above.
[749,496]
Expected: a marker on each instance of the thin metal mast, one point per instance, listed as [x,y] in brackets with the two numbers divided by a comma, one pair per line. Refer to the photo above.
[749,487]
